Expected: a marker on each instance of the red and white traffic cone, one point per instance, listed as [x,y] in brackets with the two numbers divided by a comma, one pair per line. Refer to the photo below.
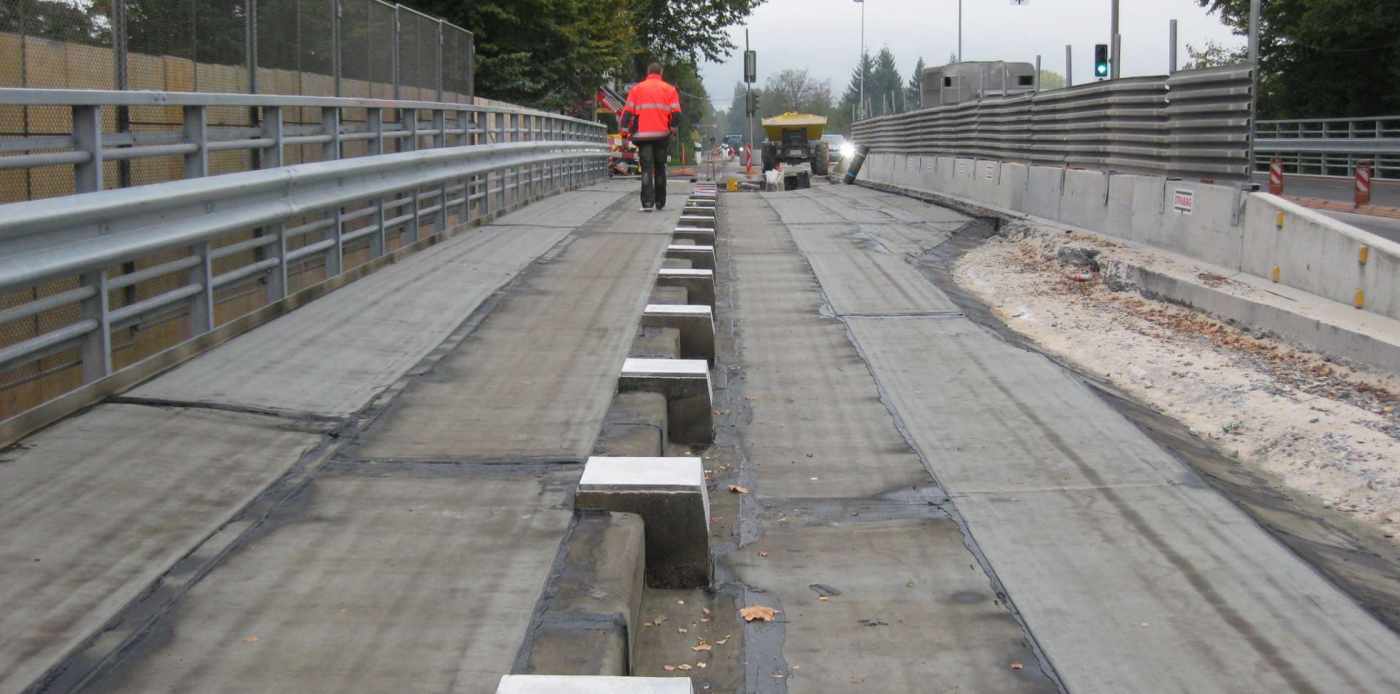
[1363,184]
[1276,176]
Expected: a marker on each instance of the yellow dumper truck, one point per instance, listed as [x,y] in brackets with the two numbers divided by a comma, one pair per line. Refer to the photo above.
[796,138]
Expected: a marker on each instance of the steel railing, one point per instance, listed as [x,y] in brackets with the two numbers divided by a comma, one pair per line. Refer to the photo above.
[1330,146]
[1191,124]
[184,241]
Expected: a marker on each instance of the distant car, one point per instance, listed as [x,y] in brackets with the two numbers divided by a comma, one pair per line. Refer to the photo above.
[841,149]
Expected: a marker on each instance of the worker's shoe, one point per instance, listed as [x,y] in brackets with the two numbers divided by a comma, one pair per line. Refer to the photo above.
[646,208]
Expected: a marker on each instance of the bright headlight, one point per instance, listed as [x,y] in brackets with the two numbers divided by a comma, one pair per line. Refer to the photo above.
[848,150]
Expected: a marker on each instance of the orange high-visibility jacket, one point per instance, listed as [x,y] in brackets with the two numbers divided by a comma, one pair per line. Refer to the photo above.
[651,107]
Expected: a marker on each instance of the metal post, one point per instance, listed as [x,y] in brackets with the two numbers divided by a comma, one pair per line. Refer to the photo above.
[960,59]
[335,43]
[119,50]
[1114,60]
[87,137]
[1254,79]
[250,45]
[1115,63]
[196,132]
[440,71]
[271,157]
[483,181]
[860,64]
[1037,73]
[439,142]
[202,304]
[1069,65]
[377,240]
[330,151]
[97,345]
[1171,52]
[396,51]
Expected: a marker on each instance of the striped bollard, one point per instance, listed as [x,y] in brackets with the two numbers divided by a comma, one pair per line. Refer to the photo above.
[1363,184]
[1276,176]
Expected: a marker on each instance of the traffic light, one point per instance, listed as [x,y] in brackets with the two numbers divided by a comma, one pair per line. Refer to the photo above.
[1101,60]
[750,67]
[753,103]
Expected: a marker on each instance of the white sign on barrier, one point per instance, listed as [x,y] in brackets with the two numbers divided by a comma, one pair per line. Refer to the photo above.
[1184,200]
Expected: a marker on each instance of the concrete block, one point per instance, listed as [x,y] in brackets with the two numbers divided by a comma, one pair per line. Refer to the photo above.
[695,323]
[557,684]
[704,221]
[1208,231]
[699,284]
[676,263]
[1085,200]
[589,625]
[670,496]
[656,342]
[686,385]
[1043,190]
[1011,190]
[668,295]
[635,426]
[699,235]
[702,257]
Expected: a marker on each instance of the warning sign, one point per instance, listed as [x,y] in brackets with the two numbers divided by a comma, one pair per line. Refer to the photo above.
[1184,201]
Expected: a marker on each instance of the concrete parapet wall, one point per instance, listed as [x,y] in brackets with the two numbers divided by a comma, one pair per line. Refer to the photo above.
[1213,223]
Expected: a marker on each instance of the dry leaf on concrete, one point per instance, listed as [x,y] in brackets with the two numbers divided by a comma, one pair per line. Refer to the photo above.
[757,613]
[738,489]
[702,646]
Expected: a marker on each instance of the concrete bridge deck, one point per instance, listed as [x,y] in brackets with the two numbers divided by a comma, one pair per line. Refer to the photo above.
[371,493]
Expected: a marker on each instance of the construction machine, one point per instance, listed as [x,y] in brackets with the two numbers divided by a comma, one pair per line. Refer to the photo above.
[796,138]
[622,154]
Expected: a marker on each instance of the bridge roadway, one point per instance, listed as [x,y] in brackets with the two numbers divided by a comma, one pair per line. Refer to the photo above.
[370,493]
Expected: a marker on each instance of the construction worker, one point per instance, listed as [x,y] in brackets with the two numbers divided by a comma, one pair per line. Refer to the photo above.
[650,117]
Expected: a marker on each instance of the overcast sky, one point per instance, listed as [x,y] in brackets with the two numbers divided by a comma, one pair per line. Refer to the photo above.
[823,36]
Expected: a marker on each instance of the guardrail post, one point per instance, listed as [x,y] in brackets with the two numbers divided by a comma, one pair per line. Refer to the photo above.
[87,137]
[196,132]
[464,123]
[96,349]
[483,183]
[439,142]
[408,119]
[503,175]
[330,151]
[202,304]
[274,128]
[376,146]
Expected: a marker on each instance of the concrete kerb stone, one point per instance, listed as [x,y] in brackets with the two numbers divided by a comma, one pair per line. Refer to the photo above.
[700,257]
[705,221]
[694,234]
[686,385]
[671,497]
[695,323]
[557,684]
[591,622]
[699,284]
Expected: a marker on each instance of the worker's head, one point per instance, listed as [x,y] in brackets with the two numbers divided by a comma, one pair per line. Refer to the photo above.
[654,68]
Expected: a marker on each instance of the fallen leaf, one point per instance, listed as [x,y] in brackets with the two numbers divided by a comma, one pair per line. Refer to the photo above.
[702,665]
[763,553]
[738,489]
[250,639]
[705,611]
[823,598]
[659,619]
[757,612]
[722,641]
[1016,665]
[680,602]
[682,630]
[702,647]
[683,666]
[669,668]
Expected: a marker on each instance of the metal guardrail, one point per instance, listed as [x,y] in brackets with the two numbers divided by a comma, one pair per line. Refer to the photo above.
[197,236]
[1330,146]
[1191,124]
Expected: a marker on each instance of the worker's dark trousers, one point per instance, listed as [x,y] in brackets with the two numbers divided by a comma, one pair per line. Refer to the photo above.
[653,156]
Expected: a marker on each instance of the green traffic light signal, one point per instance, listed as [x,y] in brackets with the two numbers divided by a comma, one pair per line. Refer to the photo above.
[1101,60]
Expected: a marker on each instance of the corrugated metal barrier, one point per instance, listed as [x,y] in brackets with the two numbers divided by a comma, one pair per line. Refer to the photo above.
[1193,124]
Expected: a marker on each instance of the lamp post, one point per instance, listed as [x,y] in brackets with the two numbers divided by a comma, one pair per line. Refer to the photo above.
[860,63]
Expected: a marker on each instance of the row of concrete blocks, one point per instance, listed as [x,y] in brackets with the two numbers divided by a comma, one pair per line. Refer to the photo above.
[665,496]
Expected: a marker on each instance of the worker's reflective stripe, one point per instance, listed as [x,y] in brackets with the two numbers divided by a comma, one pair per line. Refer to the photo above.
[655,107]
[651,134]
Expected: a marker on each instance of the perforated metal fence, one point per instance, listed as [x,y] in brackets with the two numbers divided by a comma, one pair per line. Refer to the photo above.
[1193,124]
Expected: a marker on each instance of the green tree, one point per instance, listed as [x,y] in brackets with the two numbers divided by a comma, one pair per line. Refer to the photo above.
[796,91]
[889,85]
[849,108]
[685,30]
[914,93]
[1322,58]
[1212,54]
